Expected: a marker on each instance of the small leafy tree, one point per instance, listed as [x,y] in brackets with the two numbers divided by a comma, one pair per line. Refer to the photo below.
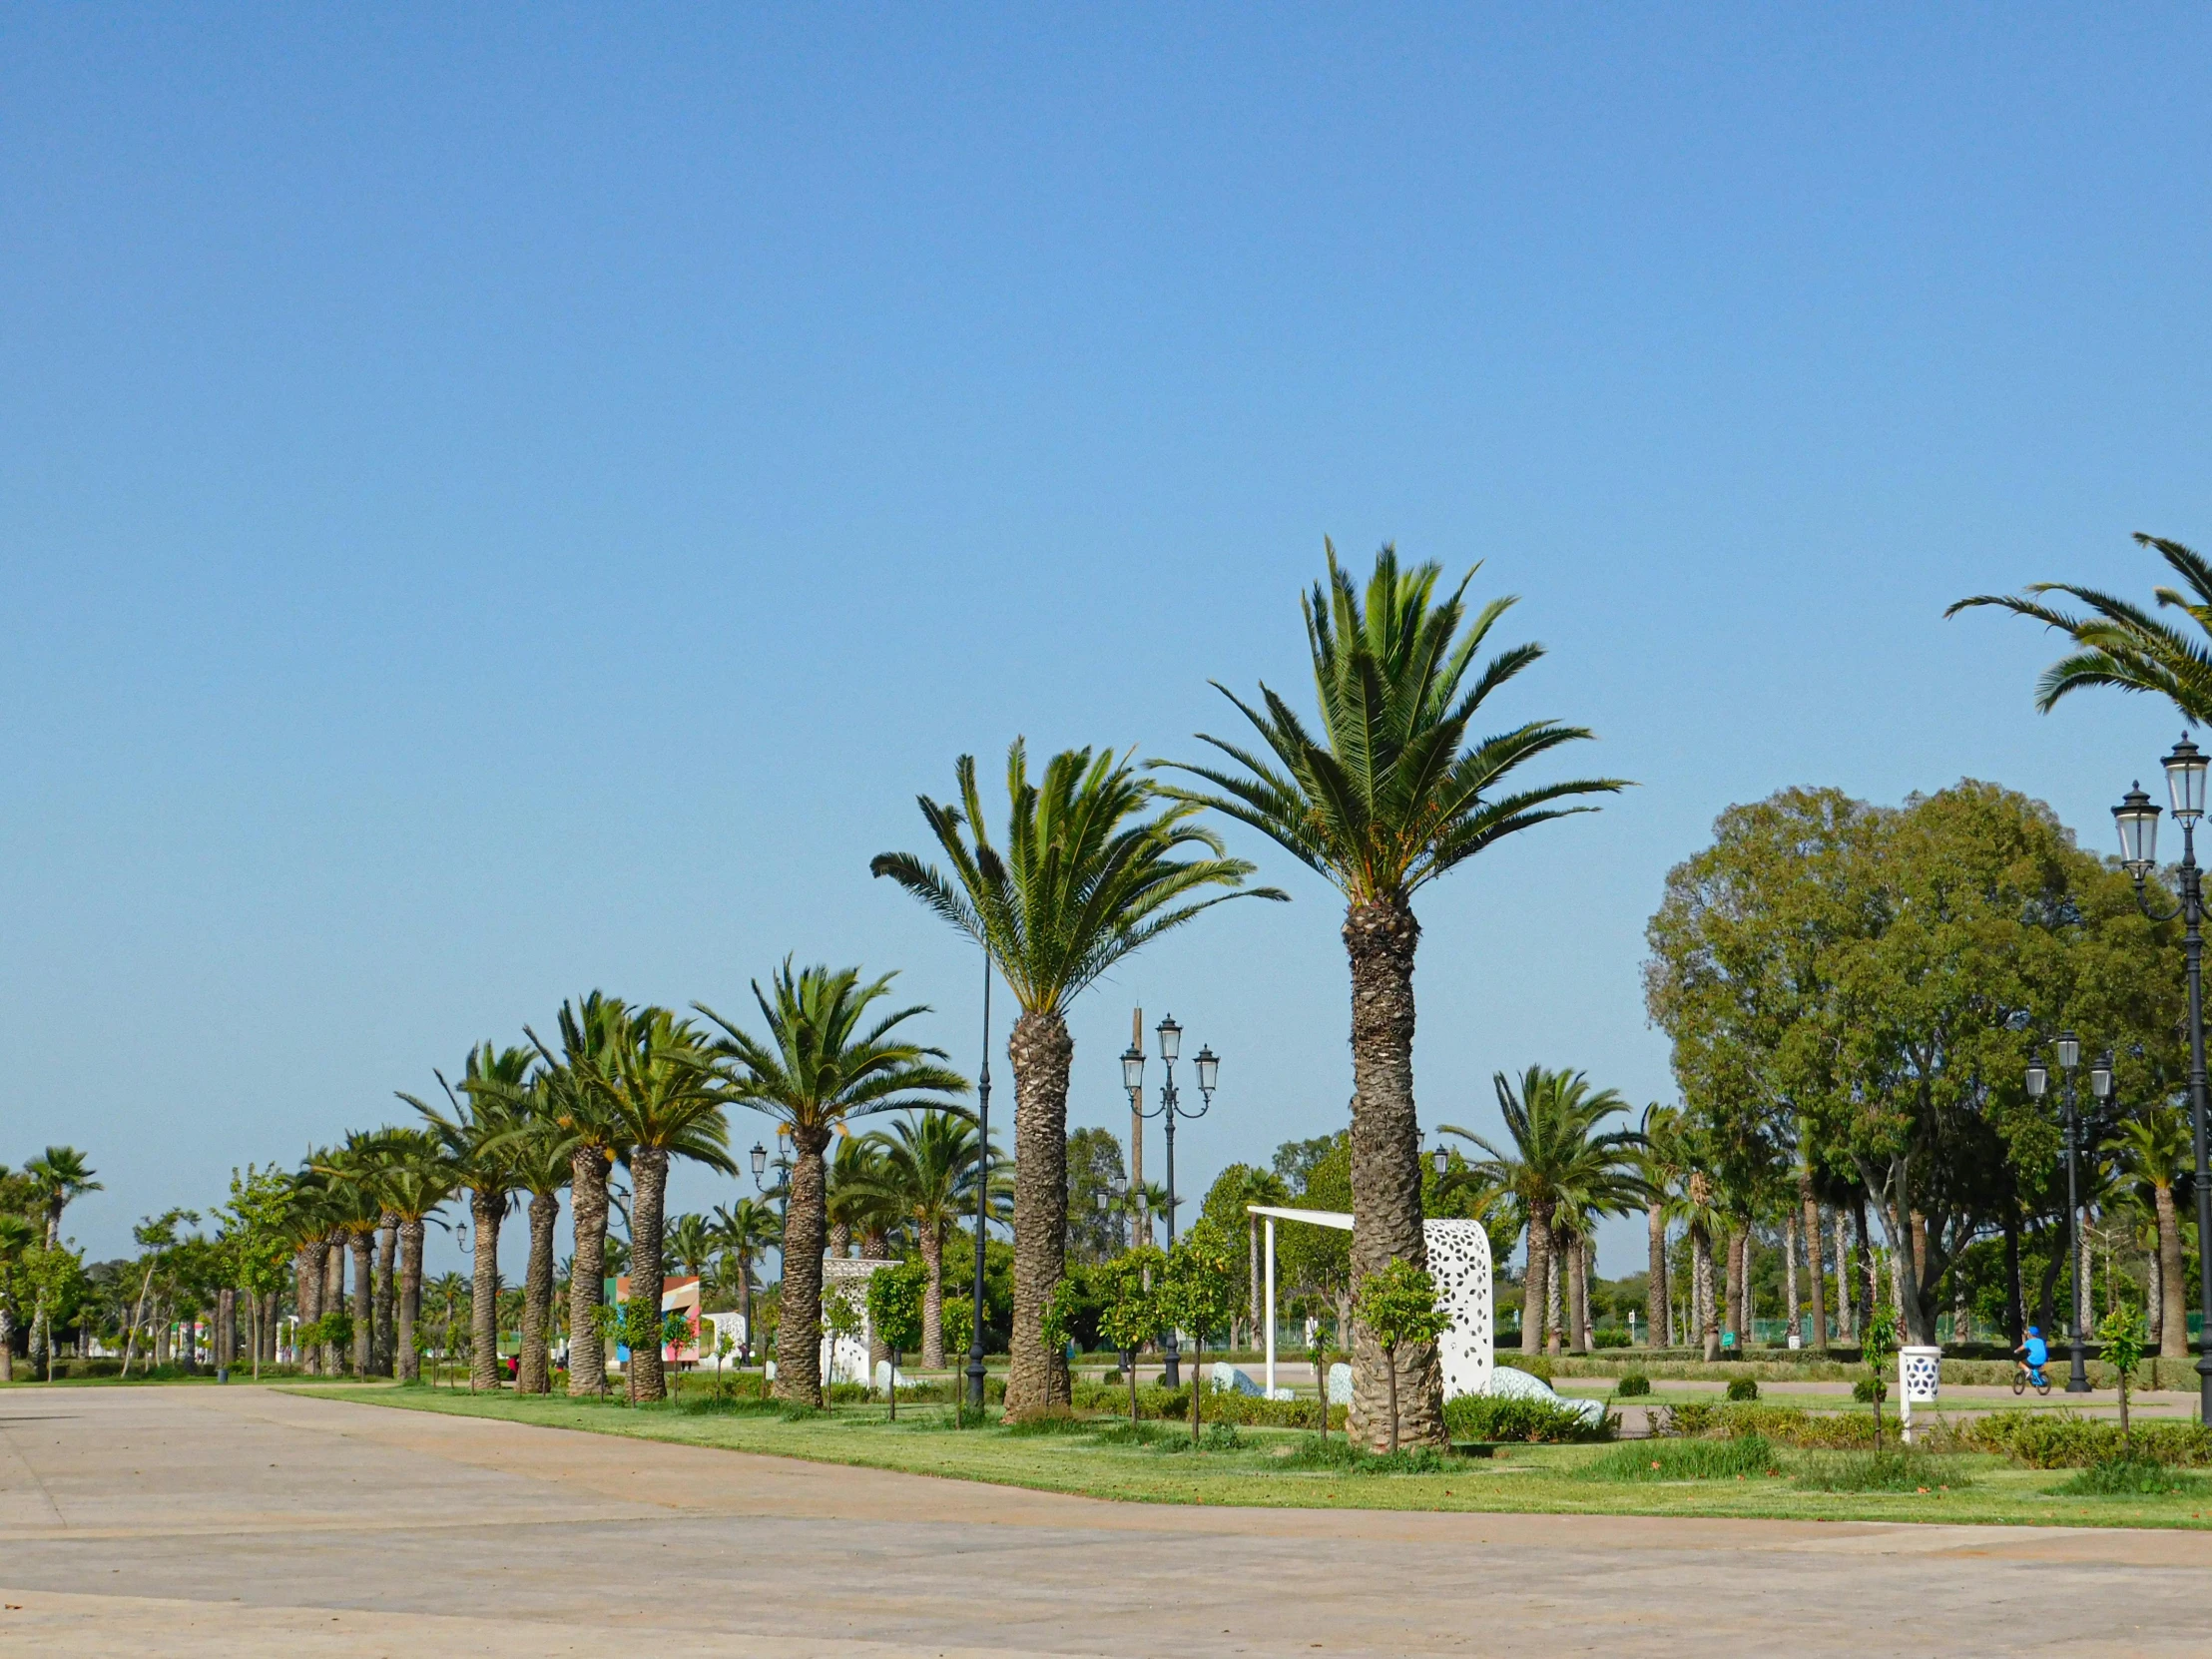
[894,1299]
[1878,1345]
[607,1320]
[639,1329]
[2123,1332]
[840,1317]
[1399,1306]
[724,1346]
[1130,1311]
[1200,1291]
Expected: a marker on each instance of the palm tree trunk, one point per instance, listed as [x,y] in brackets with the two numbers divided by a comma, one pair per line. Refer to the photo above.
[745,1305]
[932,1297]
[587,1358]
[1734,1257]
[648,1193]
[805,1225]
[1536,1281]
[1845,1326]
[1578,1297]
[534,1375]
[1656,1333]
[334,1296]
[1709,1333]
[306,1267]
[485,1206]
[1380,941]
[1555,1322]
[1816,1289]
[410,1301]
[2173,1303]
[1788,1280]
[387,1293]
[364,1301]
[1041,1052]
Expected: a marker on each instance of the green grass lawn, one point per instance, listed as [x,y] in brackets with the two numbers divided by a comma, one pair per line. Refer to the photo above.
[1094,1459]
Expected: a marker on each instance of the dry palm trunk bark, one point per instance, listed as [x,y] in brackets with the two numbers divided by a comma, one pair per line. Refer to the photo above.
[1744,1254]
[1588,1325]
[1658,1327]
[587,1356]
[1816,1289]
[334,1295]
[841,1240]
[799,1323]
[932,1297]
[1536,1281]
[1736,1285]
[1555,1322]
[1254,1295]
[647,1192]
[387,1293]
[1041,1052]
[534,1375]
[411,1299]
[1846,1327]
[486,1205]
[2174,1303]
[1578,1292]
[306,1267]
[1701,1259]
[364,1301]
[745,1307]
[1380,939]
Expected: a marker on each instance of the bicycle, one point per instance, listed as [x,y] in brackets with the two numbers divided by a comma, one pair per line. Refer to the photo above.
[2027,1374]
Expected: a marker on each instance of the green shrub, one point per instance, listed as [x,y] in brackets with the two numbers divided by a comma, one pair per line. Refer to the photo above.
[2130,1477]
[1881,1471]
[2067,1440]
[1632,1383]
[1740,1457]
[1867,1390]
[1491,1418]
[1613,1337]
[1247,1410]
[1221,1436]
[1742,1388]
[1539,1366]
[1786,1425]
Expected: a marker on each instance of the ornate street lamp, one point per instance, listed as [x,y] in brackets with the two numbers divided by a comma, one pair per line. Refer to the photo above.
[760,1162]
[1168,1111]
[983,1198]
[2136,818]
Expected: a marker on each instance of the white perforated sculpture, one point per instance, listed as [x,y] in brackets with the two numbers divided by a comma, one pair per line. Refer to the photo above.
[1460,1262]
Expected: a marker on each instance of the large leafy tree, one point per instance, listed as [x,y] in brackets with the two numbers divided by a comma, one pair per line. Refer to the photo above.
[1391,791]
[1096,865]
[827,1059]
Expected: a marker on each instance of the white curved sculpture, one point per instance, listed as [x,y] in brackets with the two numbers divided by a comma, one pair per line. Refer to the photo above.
[1460,1262]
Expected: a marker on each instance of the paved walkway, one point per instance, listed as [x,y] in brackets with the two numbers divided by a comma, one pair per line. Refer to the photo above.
[193,1522]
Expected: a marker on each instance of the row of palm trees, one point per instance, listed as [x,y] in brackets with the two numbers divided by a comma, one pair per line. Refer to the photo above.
[1388,787]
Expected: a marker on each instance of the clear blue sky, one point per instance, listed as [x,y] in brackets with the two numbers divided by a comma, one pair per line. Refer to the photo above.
[496,504]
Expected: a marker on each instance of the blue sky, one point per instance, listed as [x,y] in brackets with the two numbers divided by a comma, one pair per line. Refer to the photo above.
[496,504]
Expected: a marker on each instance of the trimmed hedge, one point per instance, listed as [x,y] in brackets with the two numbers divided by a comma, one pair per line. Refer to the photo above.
[2067,1440]
[1155,1403]
[1492,1417]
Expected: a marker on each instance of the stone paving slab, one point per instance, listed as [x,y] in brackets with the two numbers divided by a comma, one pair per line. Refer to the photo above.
[193,1521]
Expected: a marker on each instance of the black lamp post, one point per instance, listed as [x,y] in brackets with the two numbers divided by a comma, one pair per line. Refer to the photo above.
[1169,1109]
[982,1197]
[2137,821]
[2039,1080]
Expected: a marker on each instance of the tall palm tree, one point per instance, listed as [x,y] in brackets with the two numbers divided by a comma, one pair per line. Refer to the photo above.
[819,1067]
[2150,1149]
[58,1177]
[741,1231]
[1389,794]
[414,1180]
[476,1135]
[927,1174]
[540,1162]
[853,1199]
[689,1241]
[352,1175]
[2118,643]
[1558,1157]
[656,1094]
[1097,862]
[588,1029]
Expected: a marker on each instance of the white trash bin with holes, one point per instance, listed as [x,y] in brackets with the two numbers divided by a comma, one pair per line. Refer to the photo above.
[1919,1380]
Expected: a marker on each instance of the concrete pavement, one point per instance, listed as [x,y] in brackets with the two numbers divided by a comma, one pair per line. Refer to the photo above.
[193,1521]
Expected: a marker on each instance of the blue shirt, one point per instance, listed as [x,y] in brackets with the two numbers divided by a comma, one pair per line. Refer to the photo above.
[2037,1352]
